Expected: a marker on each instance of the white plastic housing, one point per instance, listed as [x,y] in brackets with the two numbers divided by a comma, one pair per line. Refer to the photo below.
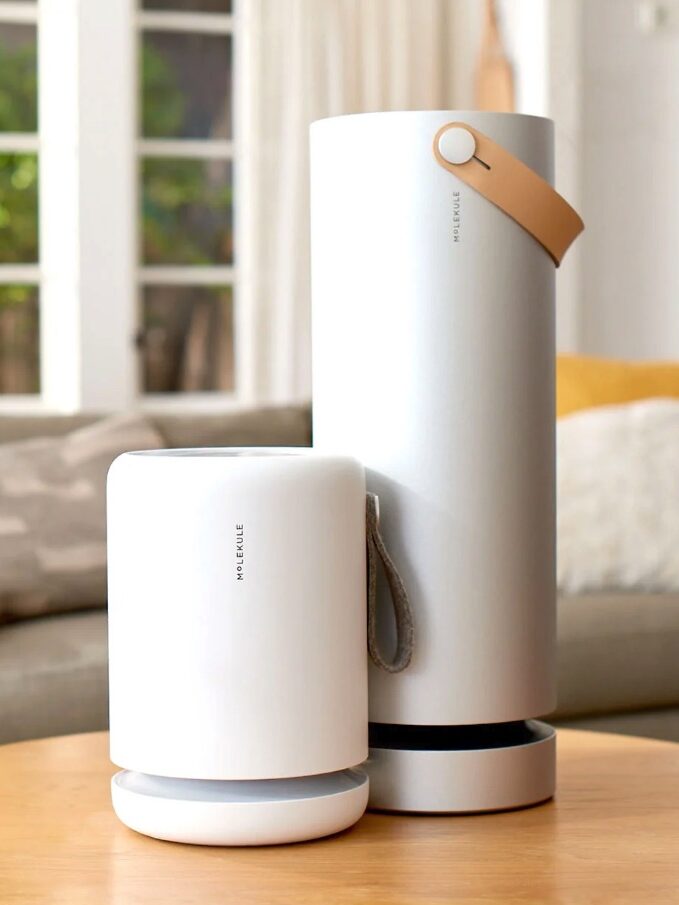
[433,342]
[237,620]
[260,812]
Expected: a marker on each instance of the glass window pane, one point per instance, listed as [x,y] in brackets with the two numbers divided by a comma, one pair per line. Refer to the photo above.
[18,208]
[186,85]
[187,211]
[18,78]
[186,340]
[189,6]
[19,340]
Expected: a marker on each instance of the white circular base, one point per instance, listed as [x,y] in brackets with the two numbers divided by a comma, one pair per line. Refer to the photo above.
[239,812]
[464,780]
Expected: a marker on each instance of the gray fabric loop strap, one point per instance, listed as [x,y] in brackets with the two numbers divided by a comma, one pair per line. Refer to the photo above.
[399,597]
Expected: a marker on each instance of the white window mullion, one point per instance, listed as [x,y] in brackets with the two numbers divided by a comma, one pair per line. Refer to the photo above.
[18,12]
[19,273]
[195,22]
[18,143]
[245,310]
[189,275]
[193,148]
[88,209]
[58,208]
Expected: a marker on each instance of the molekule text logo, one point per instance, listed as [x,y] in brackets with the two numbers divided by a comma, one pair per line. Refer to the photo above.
[240,556]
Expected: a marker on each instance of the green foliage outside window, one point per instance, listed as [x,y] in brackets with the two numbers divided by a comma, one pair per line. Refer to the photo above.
[18,172]
[18,89]
[185,206]
[186,212]
[163,106]
[172,189]
[18,208]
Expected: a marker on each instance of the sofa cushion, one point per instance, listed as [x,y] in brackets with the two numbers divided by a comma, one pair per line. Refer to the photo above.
[583,382]
[272,426]
[617,513]
[617,652]
[53,515]
[25,427]
[53,676]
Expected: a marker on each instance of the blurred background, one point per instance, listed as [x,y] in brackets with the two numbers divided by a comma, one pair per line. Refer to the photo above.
[154,261]
[153,176]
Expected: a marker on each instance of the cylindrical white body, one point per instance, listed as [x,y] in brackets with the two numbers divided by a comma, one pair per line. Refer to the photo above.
[237,614]
[433,342]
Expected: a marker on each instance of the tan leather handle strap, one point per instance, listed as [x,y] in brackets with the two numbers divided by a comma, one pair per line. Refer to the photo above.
[509,184]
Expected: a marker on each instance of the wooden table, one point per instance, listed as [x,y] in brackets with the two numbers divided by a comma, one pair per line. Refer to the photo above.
[612,835]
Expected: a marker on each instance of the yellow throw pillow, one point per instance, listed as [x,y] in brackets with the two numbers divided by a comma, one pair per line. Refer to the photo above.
[583,382]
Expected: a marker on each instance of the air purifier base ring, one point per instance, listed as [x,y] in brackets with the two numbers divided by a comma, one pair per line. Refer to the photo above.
[465,780]
[238,812]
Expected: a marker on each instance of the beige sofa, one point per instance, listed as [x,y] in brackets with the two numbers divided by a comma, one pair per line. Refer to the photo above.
[618,661]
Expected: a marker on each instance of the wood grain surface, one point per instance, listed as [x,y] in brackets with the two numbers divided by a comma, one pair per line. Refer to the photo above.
[611,835]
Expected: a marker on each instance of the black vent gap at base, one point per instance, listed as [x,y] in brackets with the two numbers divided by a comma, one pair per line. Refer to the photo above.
[455,738]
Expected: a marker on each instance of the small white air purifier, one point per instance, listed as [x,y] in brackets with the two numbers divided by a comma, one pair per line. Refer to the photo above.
[435,237]
[237,633]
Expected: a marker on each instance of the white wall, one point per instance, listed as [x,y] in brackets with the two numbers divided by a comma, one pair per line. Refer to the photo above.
[630,165]
[612,88]
[613,91]
[564,105]
[542,38]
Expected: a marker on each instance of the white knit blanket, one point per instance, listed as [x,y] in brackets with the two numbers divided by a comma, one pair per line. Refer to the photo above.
[618,497]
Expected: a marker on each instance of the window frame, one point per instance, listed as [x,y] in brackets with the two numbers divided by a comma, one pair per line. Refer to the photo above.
[13,13]
[89,150]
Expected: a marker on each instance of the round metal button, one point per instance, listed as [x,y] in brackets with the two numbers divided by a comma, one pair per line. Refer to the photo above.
[457,145]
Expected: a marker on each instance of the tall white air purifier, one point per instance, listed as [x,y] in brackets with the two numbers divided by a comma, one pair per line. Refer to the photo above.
[435,237]
[237,636]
